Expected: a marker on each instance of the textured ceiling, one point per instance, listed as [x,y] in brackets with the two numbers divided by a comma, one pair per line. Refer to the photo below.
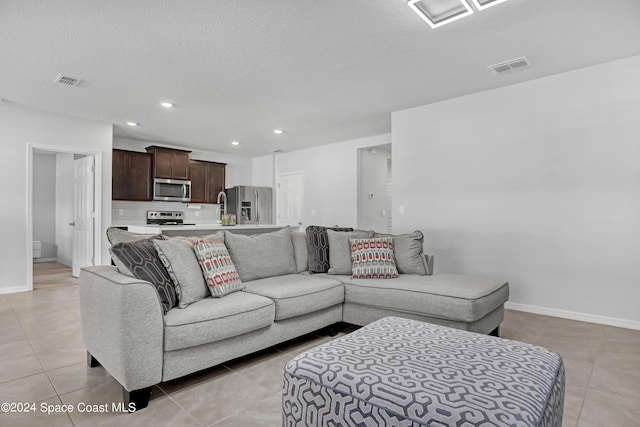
[325,71]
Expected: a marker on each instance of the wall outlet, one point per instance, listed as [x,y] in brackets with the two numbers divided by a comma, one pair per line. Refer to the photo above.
[313,212]
[120,212]
[401,209]
[197,213]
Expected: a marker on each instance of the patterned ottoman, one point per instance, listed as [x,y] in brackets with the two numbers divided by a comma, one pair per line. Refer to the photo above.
[399,372]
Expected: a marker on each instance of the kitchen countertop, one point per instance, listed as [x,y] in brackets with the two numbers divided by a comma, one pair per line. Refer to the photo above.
[158,229]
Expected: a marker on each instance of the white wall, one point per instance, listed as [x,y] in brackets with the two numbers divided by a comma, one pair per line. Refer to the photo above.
[64,207]
[44,203]
[262,171]
[238,170]
[372,188]
[537,183]
[330,179]
[19,127]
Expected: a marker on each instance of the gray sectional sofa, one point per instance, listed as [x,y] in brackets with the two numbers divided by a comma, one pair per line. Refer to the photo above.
[126,330]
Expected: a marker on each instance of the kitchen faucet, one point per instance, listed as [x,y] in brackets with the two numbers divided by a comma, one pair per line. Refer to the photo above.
[222,195]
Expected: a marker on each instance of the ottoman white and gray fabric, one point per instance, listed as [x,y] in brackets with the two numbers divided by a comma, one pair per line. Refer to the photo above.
[400,372]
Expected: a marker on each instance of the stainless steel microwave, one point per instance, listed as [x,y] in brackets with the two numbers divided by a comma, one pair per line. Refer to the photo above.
[171,190]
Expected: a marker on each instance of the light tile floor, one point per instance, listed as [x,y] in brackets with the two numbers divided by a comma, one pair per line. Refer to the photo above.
[42,361]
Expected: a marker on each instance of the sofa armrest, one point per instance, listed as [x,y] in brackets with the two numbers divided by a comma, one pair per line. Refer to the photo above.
[428,262]
[122,325]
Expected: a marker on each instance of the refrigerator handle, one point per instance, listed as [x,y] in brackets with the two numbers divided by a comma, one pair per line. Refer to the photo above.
[257,208]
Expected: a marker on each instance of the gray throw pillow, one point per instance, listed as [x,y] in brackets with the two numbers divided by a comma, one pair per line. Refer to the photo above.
[180,260]
[261,255]
[340,249]
[408,252]
[141,260]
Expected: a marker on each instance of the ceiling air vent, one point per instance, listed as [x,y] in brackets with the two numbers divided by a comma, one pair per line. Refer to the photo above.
[510,65]
[67,81]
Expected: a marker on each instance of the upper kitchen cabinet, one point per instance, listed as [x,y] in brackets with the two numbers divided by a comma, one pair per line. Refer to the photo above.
[131,175]
[170,163]
[207,180]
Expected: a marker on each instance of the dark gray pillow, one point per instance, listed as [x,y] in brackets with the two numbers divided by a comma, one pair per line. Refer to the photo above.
[407,250]
[318,247]
[261,255]
[141,260]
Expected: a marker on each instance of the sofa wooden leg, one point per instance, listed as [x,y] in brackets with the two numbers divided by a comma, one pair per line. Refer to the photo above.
[92,361]
[135,400]
[495,332]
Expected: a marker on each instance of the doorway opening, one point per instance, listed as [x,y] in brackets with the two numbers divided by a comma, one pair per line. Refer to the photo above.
[375,188]
[63,210]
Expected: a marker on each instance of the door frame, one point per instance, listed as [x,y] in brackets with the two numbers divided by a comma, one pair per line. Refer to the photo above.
[97,199]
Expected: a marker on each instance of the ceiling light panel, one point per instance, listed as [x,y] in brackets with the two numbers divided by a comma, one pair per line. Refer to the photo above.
[440,12]
[483,4]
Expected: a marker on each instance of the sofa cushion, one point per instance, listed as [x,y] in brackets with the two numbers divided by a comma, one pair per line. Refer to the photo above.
[217,267]
[408,252]
[141,260]
[445,296]
[373,258]
[297,294]
[178,258]
[214,319]
[261,255]
[300,253]
[318,247]
[340,249]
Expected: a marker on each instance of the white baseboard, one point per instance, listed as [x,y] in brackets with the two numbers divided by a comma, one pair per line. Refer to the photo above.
[44,260]
[64,262]
[14,290]
[574,315]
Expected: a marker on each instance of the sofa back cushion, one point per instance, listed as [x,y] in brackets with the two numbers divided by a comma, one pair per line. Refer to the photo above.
[318,247]
[261,255]
[408,252]
[300,253]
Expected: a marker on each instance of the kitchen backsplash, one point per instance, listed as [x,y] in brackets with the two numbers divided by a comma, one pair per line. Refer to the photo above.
[135,213]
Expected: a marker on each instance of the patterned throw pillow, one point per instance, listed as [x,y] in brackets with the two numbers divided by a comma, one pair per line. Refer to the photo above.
[220,274]
[140,260]
[318,247]
[373,258]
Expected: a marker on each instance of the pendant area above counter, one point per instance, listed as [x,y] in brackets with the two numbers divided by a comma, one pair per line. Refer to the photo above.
[202,229]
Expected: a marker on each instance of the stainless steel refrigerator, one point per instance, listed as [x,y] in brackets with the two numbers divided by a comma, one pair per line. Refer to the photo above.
[250,205]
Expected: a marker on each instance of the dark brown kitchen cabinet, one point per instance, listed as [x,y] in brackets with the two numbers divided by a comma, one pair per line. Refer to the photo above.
[207,180]
[170,163]
[131,176]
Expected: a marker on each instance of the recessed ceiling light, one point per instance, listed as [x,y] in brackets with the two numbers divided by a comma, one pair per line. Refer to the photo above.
[132,124]
[278,131]
[440,12]
[166,104]
[235,143]
[483,4]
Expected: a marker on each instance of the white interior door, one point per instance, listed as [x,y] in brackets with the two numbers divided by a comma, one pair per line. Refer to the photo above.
[290,198]
[83,214]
